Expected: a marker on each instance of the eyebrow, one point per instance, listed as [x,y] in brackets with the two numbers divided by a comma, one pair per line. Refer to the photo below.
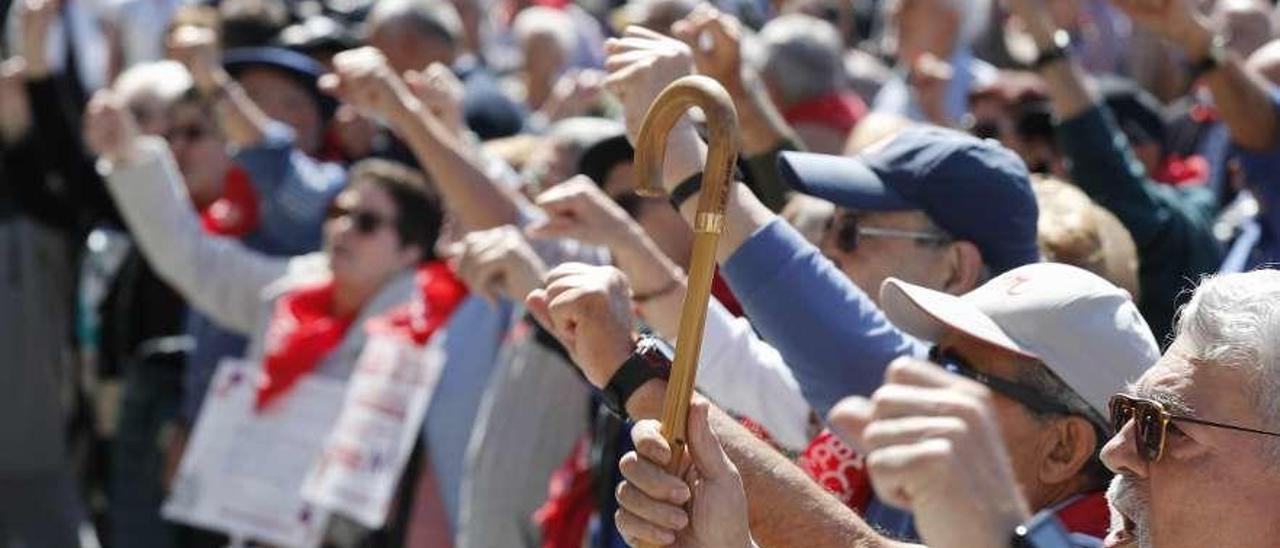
[1173,403]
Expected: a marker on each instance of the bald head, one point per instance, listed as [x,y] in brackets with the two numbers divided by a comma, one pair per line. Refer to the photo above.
[415,33]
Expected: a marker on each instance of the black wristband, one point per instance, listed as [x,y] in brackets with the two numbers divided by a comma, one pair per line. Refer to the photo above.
[686,189]
[650,360]
[1059,51]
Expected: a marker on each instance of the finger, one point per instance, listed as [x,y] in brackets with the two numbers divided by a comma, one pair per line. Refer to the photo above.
[896,400]
[554,228]
[331,84]
[536,304]
[642,32]
[908,371]
[907,431]
[646,435]
[849,419]
[896,471]
[704,445]
[663,514]
[566,270]
[636,530]
[653,480]
[618,61]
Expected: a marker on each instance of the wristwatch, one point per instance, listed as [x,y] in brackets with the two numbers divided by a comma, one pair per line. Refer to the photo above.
[1214,59]
[1041,531]
[650,360]
[1060,49]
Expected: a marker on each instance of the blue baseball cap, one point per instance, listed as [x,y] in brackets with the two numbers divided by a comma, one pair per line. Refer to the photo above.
[974,189]
[298,67]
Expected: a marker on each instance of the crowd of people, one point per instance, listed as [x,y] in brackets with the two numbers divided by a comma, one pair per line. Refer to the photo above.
[371,273]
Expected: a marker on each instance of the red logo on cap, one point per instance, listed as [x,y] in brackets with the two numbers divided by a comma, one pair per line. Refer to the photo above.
[1016,285]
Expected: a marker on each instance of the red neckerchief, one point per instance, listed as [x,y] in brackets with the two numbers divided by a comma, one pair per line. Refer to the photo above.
[721,291]
[840,470]
[564,517]
[835,110]
[235,213]
[439,291]
[1087,514]
[304,329]
[1180,171]
[837,469]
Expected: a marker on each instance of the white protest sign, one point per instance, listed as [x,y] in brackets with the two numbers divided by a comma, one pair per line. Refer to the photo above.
[242,471]
[366,453]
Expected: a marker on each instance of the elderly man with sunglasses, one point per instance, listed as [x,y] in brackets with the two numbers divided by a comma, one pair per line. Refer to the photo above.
[1195,449]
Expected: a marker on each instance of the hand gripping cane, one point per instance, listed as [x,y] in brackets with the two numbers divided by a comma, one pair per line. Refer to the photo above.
[651,147]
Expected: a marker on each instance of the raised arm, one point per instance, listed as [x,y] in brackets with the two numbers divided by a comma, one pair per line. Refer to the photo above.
[588,310]
[736,368]
[1240,95]
[363,78]
[215,274]
[835,339]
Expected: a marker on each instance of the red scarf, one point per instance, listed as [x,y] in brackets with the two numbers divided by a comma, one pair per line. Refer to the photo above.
[235,213]
[304,330]
[835,110]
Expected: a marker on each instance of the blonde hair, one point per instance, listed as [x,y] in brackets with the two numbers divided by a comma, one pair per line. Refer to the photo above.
[873,128]
[1076,231]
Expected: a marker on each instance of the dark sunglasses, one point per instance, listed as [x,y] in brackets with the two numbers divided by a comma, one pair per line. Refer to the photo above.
[365,222]
[186,133]
[1029,397]
[1151,423]
[848,233]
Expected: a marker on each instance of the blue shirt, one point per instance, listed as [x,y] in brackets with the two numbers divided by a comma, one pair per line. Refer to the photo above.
[473,337]
[835,339]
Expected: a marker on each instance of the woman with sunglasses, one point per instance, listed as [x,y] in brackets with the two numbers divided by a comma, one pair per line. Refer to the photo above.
[304,315]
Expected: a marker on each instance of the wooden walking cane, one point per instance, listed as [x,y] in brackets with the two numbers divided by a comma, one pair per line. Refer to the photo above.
[651,147]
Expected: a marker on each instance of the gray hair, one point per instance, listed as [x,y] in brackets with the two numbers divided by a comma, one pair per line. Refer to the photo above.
[1234,321]
[801,57]
[975,15]
[544,21]
[436,19]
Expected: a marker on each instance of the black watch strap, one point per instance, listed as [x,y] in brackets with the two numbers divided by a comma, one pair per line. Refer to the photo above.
[1060,50]
[650,360]
[1213,60]
[686,189]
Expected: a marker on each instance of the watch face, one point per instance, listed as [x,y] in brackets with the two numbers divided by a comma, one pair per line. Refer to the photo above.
[654,350]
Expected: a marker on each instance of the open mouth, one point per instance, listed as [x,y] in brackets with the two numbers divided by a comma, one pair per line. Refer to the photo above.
[1123,535]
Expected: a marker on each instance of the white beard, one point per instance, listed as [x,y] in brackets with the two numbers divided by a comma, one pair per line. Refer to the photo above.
[1128,500]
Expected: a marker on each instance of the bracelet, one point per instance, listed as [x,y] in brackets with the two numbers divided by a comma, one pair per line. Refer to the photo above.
[685,190]
[664,291]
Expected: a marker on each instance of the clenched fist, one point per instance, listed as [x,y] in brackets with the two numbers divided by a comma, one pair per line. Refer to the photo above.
[588,308]
[110,130]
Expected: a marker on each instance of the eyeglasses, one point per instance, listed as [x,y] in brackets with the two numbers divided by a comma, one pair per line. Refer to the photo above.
[1029,397]
[365,222]
[848,233]
[1151,423]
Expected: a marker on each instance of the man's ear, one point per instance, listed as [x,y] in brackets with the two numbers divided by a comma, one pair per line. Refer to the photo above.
[966,268]
[1069,444]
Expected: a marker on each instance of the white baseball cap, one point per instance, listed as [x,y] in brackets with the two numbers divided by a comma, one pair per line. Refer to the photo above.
[1085,329]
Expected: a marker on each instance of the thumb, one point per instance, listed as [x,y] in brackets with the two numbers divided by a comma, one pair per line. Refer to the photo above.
[708,455]
[536,302]
[848,419]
